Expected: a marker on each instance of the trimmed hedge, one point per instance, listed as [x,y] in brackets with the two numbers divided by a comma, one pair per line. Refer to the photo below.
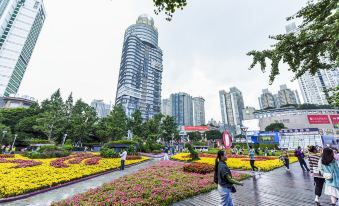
[200,168]
[48,152]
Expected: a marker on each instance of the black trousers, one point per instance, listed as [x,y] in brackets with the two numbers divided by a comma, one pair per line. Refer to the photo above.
[122,166]
[303,164]
[252,165]
[319,183]
[287,163]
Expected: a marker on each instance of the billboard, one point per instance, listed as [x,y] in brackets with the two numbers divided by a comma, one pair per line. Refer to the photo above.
[197,128]
[318,119]
[335,120]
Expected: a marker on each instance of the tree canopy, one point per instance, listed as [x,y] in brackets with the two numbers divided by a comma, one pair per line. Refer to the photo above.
[275,127]
[313,47]
[168,6]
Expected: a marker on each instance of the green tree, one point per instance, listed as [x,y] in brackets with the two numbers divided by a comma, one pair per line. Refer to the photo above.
[194,136]
[117,123]
[169,129]
[5,134]
[275,127]
[152,128]
[213,134]
[135,123]
[312,48]
[334,99]
[169,6]
[82,120]
[52,120]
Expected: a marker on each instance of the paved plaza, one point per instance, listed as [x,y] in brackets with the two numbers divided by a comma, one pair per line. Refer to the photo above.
[276,188]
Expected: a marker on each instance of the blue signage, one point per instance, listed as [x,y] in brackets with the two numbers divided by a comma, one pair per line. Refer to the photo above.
[299,130]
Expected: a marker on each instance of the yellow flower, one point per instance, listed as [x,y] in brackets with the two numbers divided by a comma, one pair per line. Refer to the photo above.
[16,181]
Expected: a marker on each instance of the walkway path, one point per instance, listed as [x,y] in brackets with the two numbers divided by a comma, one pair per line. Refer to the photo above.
[276,188]
[68,191]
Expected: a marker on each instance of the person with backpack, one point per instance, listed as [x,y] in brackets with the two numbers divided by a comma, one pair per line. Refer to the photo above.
[300,154]
[223,177]
[252,160]
[330,170]
[319,180]
[284,158]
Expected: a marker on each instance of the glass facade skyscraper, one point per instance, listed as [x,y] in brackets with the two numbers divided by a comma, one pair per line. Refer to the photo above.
[20,24]
[139,84]
[198,111]
[182,108]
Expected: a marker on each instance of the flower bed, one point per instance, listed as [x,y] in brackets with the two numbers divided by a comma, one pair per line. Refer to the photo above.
[240,162]
[133,157]
[20,180]
[7,155]
[161,184]
[198,168]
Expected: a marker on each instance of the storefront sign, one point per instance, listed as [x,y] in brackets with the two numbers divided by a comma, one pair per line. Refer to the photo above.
[318,119]
[196,128]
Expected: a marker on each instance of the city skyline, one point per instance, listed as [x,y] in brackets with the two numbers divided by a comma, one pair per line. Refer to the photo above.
[93,72]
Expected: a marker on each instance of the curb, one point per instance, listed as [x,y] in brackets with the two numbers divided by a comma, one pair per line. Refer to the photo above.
[30,194]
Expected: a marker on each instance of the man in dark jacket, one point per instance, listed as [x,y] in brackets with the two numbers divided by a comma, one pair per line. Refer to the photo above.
[300,154]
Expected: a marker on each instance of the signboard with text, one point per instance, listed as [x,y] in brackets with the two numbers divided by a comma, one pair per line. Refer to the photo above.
[318,119]
[196,128]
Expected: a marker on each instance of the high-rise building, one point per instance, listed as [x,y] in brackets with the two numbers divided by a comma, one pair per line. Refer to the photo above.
[20,25]
[267,100]
[166,107]
[182,108]
[198,111]
[101,108]
[139,84]
[232,105]
[286,96]
[296,93]
[314,88]
[248,113]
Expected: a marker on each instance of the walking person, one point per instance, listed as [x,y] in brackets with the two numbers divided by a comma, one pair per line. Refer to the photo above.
[123,156]
[223,176]
[330,170]
[285,159]
[319,180]
[300,154]
[252,160]
[266,151]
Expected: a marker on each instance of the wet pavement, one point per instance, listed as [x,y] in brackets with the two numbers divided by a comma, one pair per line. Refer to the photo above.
[62,193]
[276,188]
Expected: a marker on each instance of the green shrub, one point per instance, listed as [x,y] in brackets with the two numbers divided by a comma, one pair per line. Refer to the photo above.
[194,154]
[108,153]
[67,147]
[131,150]
[47,152]
[112,143]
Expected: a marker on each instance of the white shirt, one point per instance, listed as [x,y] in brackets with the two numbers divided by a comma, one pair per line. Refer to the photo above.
[123,155]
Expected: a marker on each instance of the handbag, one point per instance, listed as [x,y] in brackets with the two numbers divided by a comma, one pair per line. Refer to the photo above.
[232,189]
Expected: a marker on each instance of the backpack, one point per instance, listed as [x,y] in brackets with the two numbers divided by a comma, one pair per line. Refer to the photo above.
[296,153]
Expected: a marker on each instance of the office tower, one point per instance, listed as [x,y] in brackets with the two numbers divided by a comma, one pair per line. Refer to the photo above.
[314,88]
[232,105]
[166,107]
[267,100]
[198,111]
[20,24]
[182,108]
[139,84]
[286,96]
[248,113]
[101,108]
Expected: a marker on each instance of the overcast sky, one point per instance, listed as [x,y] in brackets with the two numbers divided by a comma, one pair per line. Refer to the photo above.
[204,47]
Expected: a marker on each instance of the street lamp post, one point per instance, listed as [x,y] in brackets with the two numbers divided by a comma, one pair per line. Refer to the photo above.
[244,129]
[3,135]
[15,136]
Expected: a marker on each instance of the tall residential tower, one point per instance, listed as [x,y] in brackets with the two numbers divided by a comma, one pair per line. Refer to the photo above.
[20,25]
[139,84]
[198,111]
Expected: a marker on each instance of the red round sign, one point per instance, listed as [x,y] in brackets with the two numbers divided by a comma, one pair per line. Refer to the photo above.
[227,139]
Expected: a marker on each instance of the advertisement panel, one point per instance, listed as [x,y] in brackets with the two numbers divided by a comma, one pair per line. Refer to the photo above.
[335,120]
[196,128]
[318,119]
[227,139]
